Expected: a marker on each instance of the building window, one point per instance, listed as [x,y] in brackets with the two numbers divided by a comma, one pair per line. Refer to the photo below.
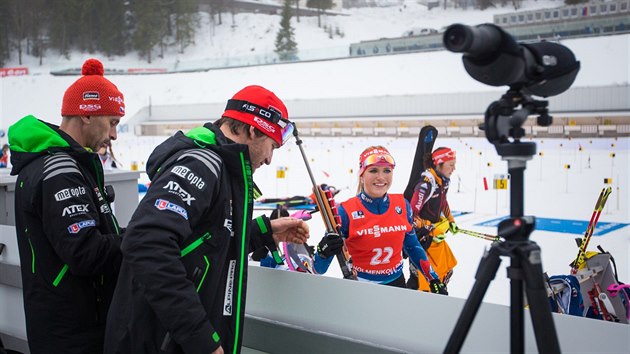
[530,17]
[556,14]
[521,18]
[613,7]
[573,11]
[623,6]
[603,8]
[538,15]
[547,14]
[565,13]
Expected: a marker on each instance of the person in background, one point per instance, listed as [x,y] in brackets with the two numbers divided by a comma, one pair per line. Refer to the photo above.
[68,238]
[4,156]
[183,279]
[433,217]
[377,227]
[106,154]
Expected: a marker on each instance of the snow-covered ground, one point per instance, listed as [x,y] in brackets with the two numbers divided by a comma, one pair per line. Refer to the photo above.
[550,191]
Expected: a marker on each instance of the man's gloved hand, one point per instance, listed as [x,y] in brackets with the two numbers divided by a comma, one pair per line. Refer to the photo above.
[452,226]
[437,287]
[330,245]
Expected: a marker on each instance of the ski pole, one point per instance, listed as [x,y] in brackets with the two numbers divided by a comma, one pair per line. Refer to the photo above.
[597,211]
[326,212]
[480,235]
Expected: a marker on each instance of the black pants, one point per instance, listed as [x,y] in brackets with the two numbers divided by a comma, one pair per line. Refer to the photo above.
[412,283]
[398,282]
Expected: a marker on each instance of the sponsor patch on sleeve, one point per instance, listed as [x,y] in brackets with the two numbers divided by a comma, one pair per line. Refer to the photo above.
[163,204]
[77,226]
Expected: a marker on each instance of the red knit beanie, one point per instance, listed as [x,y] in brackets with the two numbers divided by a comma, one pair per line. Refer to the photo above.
[268,105]
[93,94]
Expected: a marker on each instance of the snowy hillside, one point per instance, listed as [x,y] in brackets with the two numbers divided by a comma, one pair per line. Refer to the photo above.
[249,34]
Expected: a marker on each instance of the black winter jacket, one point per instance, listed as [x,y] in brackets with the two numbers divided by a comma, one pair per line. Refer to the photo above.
[183,278]
[67,237]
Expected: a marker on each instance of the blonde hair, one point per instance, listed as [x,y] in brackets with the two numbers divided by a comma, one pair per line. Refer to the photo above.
[360,184]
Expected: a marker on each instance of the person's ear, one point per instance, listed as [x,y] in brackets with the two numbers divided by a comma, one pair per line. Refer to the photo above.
[85,119]
[252,132]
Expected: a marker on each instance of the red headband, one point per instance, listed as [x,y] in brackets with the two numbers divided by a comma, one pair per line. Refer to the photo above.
[442,155]
[377,156]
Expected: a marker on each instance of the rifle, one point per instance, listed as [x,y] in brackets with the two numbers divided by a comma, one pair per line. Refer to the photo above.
[327,212]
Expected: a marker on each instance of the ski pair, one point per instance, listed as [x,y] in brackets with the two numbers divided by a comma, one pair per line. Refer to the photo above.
[599,206]
[479,235]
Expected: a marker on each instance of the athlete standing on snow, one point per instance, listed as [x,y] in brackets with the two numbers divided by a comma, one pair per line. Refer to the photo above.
[377,227]
[433,217]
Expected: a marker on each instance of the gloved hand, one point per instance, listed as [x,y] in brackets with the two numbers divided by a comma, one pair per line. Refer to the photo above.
[437,287]
[439,238]
[330,245]
[452,226]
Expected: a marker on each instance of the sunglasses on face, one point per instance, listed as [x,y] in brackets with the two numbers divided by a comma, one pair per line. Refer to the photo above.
[378,159]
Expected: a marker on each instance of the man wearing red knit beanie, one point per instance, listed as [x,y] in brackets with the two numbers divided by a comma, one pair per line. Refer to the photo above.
[68,238]
[183,280]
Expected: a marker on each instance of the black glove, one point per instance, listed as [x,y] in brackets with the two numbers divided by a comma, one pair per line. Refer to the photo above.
[423,236]
[437,287]
[330,245]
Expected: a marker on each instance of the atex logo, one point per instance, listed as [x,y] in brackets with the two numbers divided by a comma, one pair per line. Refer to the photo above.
[175,188]
[75,209]
[91,95]
[69,193]
[264,125]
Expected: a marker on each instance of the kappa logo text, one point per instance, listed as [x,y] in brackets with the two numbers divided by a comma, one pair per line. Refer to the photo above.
[162,204]
[77,226]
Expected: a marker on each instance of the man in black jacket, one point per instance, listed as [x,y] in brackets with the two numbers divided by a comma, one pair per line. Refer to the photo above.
[183,278]
[68,238]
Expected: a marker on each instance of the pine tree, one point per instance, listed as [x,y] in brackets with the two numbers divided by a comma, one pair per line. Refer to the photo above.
[286,47]
[320,5]
[150,27]
[186,20]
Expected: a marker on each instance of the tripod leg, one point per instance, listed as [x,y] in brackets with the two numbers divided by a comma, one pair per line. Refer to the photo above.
[485,274]
[542,320]
[517,320]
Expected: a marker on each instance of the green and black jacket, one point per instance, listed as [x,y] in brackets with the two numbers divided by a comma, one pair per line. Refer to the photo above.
[183,278]
[68,239]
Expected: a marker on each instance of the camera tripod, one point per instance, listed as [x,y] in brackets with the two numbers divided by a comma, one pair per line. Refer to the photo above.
[525,270]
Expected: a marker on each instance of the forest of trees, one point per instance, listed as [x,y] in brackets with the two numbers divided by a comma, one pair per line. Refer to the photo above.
[118,27]
[110,27]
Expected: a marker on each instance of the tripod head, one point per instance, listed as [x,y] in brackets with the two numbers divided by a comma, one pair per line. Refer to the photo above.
[503,125]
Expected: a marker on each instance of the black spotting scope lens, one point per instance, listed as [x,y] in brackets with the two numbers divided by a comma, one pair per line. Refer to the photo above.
[457,38]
